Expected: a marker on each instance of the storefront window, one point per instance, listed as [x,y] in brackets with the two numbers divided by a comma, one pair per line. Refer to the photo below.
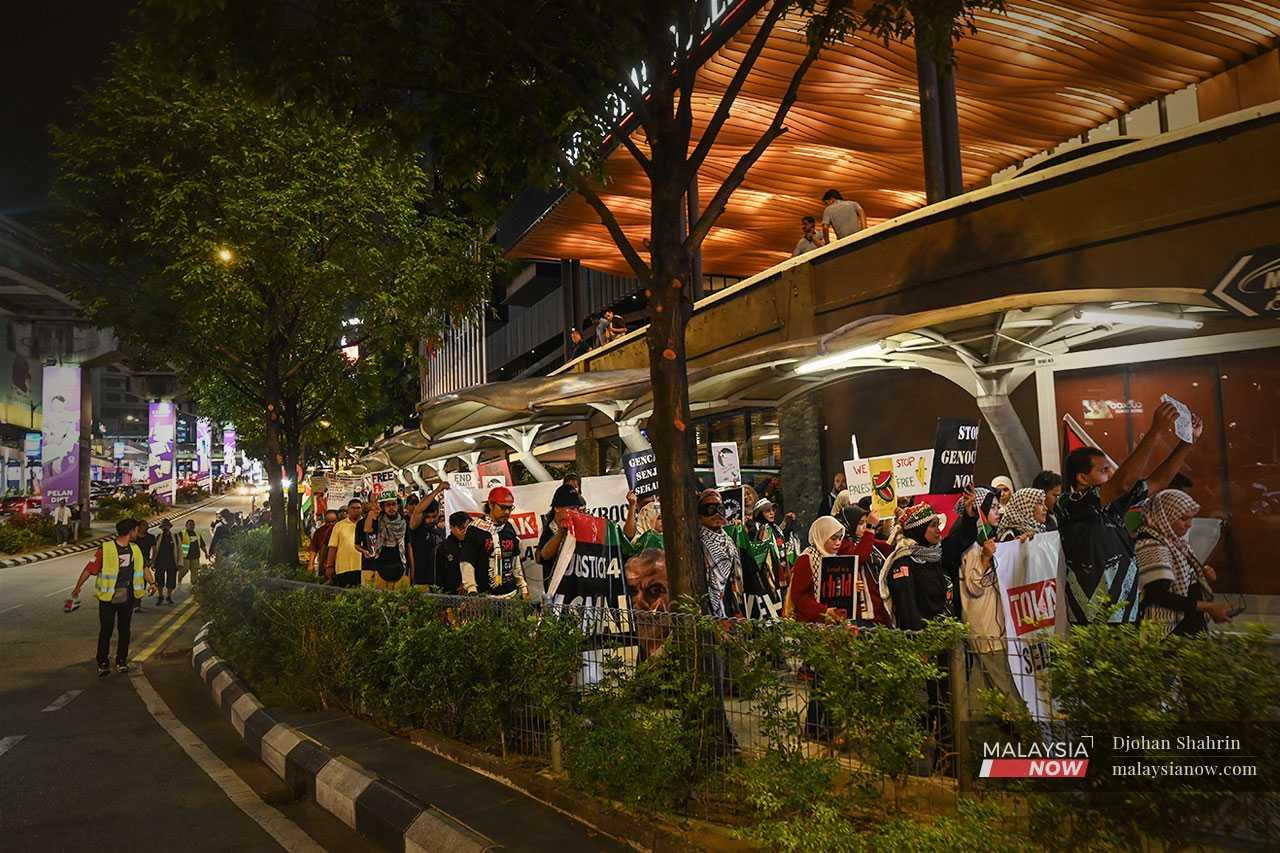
[1234,469]
[765,439]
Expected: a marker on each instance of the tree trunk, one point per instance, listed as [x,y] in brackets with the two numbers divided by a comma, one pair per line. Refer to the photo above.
[669,433]
[281,552]
[293,502]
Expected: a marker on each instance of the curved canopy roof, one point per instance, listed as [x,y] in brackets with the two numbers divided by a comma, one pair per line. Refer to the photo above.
[1027,80]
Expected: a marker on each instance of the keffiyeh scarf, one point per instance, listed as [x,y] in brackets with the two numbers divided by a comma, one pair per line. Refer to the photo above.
[1018,515]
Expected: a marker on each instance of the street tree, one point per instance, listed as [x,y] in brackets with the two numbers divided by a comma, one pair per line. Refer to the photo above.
[263,247]
[508,94]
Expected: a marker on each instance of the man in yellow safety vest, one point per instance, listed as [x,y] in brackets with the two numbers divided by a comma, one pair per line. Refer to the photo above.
[120,579]
[192,545]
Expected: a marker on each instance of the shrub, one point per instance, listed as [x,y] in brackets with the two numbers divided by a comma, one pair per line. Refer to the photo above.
[22,532]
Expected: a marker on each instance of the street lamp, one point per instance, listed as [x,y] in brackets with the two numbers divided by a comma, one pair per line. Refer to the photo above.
[225,255]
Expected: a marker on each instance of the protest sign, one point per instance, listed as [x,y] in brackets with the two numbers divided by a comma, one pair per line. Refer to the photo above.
[1183,426]
[911,474]
[641,468]
[884,495]
[382,481]
[724,461]
[1028,574]
[838,582]
[955,450]
[495,473]
[733,509]
[763,600]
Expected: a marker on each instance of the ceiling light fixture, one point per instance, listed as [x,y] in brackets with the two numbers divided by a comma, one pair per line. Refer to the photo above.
[1136,318]
[840,359]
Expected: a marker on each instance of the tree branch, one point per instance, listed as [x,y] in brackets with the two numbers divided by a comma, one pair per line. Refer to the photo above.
[629,144]
[723,109]
[607,218]
[698,232]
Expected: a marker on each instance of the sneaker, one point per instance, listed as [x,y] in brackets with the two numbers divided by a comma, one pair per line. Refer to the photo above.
[103,670]
[122,668]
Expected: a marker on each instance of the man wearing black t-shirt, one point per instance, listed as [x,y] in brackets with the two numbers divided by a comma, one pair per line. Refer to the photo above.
[1096,543]
[498,571]
[453,553]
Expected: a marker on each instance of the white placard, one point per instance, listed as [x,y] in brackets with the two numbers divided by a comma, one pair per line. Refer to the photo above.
[724,461]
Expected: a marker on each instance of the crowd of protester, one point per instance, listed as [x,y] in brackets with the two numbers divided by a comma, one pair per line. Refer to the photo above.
[1123,532]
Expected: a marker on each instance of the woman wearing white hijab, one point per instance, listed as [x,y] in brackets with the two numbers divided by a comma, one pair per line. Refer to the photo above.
[802,604]
[1174,594]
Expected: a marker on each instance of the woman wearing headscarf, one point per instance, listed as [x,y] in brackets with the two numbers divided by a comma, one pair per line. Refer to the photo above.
[721,558]
[1022,516]
[984,617]
[802,604]
[977,506]
[764,528]
[1173,580]
[648,527]
[917,585]
[860,541]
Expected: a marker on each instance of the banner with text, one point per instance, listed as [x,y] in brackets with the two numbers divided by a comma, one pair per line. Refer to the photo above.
[910,474]
[1028,573]
[641,468]
[955,451]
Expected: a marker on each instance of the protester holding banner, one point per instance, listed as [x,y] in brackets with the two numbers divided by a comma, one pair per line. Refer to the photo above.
[425,534]
[555,529]
[802,604]
[452,554]
[721,557]
[984,616]
[780,553]
[913,576]
[386,534]
[976,507]
[860,542]
[1175,594]
[501,574]
[1095,541]
[1022,516]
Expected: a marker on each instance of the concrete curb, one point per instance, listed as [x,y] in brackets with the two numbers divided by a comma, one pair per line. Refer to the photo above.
[368,804]
[89,544]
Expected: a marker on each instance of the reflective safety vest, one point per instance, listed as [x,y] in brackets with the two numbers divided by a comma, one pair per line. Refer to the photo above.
[105,586]
[186,537]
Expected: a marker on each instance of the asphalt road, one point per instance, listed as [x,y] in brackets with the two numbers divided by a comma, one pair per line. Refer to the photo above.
[84,765]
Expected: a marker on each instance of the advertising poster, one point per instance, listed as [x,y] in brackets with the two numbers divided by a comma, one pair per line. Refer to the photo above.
[1028,573]
[955,451]
[724,461]
[204,452]
[31,474]
[229,465]
[641,469]
[884,493]
[161,425]
[60,457]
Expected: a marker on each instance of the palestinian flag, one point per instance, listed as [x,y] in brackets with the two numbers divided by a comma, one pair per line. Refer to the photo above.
[763,600]
[589,577]
[1074,437]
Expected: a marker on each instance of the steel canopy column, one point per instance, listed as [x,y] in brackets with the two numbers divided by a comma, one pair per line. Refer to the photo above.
[521,440]
[1011,435]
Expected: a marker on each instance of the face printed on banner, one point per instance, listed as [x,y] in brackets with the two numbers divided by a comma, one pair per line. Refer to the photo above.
[647,585]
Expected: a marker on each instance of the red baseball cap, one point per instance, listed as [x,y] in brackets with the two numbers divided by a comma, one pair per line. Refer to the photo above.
[501,495]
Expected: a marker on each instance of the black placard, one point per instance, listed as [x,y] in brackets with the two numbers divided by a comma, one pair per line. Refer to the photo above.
[836,586]
[733,509]
[641,469]
[955,450]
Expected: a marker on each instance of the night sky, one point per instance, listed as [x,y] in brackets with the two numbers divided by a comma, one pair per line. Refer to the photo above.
[51,48]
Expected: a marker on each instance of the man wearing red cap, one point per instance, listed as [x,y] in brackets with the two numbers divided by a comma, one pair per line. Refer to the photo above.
[500,544]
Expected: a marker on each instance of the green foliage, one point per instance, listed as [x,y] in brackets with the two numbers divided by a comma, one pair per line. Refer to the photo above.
[25,531]
[140,505]
[1119,679]
[241,231]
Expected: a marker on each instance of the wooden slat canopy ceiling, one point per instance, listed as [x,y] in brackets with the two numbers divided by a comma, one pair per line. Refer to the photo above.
[1028,80]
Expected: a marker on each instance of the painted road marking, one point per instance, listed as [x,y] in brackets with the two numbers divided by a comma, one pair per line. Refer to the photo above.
[286,833]
[7,609]
[60,591]
[177,621]
[7,743]
[63,700]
